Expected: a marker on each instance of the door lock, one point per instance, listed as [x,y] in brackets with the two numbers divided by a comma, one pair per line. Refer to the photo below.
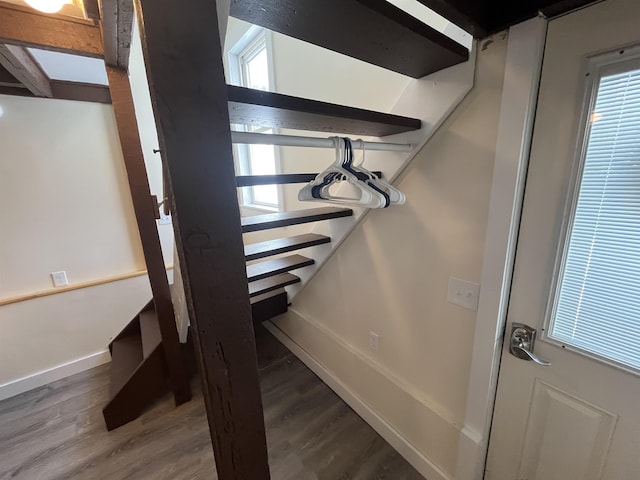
[523,339]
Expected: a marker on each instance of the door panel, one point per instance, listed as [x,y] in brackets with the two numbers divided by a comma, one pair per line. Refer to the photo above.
[580,417]
[565,437]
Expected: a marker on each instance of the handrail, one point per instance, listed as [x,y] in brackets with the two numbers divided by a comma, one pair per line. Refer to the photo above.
[69,288]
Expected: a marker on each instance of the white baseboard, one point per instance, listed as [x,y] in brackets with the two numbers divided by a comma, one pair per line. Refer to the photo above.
[427,468]
[21,385]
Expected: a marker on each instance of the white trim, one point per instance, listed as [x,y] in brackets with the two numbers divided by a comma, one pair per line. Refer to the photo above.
[252,38]
[21,385]
[440,410]
[427,468]
[519,98]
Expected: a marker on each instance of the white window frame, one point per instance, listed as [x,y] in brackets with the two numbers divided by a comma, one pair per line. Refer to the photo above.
[595,67]
[251,42]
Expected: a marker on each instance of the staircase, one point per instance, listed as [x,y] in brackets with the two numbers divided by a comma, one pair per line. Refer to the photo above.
[139,369]
[138,366]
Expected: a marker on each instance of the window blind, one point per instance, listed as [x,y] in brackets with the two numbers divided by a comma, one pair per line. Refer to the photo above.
[598,303]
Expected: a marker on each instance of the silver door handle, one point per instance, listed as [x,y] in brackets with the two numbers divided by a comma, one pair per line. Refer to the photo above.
[523,338]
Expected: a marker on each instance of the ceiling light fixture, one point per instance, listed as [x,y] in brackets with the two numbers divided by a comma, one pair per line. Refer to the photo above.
[47,6]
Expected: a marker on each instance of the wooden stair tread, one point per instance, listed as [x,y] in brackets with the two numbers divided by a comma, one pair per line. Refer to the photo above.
[374,31]
[267,109]
[268,248]
[270,268]
[282,179]
[266,285]
[295,217]
[126,356]
[149,332]
[266,296]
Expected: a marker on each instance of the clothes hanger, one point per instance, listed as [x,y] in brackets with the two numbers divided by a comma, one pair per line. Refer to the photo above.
[362,174]
[395,195]
[370,196]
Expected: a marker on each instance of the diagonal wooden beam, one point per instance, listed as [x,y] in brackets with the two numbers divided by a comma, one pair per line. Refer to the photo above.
[25,27]
[117,27]
[21,64]
[189,95]
[91,9]
[144,209]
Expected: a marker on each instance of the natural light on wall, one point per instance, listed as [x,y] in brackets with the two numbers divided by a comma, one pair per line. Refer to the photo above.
[435,21]
[48,6]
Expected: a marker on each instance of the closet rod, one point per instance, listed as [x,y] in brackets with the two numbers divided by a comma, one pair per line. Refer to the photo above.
[251,138]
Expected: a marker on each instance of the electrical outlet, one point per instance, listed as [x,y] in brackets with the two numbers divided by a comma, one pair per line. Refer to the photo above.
[463,293]
[59,278]
[374,341]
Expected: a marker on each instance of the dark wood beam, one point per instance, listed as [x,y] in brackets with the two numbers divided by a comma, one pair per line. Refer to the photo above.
[554,9]
[25,27]
[62,90]
[21,64]
[117,27]
[8,80]
[505,13]
[91,9]
[184,65]
[15,90]
[374,31]
[143,206]
[256,107]
[81,92]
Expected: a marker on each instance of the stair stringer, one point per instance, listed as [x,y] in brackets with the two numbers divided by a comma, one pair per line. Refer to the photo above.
[432,99]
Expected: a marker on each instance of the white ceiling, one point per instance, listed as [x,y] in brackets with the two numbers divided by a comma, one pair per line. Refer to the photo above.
[72,68]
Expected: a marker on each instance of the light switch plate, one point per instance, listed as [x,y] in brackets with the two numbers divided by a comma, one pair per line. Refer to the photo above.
[463,293]
[59,279]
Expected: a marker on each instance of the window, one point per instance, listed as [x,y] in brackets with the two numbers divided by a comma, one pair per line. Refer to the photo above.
[250,66]
[597,302]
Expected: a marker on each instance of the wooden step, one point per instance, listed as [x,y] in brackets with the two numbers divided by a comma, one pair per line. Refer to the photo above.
[135,382]
[270,284]
[374,31]
[295,217]
[126,356]
[149,332]
[269,305]
[267,109]
[255,251]
[270,268]
[251,180]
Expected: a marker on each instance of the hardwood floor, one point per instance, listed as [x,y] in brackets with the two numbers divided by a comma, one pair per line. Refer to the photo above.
[57,432]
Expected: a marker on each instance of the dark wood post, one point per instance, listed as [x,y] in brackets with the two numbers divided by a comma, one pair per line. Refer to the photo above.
[184,64]
[144,208]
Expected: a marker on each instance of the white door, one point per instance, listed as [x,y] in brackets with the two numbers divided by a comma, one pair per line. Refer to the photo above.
[577,270]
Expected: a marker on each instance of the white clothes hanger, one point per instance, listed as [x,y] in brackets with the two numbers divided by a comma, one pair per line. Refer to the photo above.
[395,195]
[370,196]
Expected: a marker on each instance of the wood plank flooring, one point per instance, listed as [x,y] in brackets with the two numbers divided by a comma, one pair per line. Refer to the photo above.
[57,432]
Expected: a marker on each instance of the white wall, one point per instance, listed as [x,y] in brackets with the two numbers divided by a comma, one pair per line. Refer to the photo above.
[66,206]
[391,275]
